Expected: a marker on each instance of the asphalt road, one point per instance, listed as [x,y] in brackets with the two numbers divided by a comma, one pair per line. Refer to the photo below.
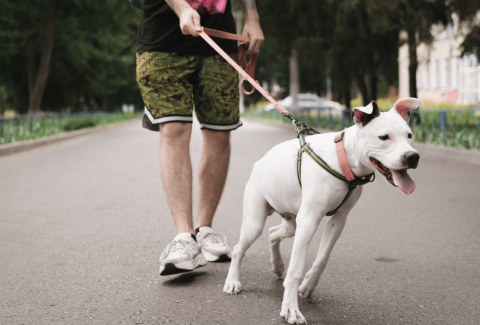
[83,222]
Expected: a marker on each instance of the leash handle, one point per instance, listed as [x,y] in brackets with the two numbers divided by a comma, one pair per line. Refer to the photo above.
[218,33]
[242,56]
[203,32]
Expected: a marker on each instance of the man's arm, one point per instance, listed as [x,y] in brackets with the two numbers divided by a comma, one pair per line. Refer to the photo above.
[189,18]
[252,27]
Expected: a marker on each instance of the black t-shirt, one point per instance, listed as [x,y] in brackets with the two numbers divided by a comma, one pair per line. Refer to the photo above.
[159,28]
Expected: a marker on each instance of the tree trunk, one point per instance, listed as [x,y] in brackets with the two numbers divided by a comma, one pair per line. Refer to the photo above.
[346,95]
[412,54]
[294,79]
[329,88]
[362,86]
[31,72]
[1,104]
[373,84]
[20,93]
[44,68]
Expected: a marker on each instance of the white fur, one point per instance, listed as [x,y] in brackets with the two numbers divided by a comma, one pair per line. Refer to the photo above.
[273,186]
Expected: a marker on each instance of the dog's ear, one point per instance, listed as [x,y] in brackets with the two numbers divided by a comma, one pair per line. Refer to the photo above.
[404,105]
[363,115]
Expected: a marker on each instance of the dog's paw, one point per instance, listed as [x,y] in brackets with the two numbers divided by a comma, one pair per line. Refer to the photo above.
[232,287]
[292,315]
[309,284]
[277,266]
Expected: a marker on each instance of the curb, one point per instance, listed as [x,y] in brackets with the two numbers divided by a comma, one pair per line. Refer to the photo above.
[429,151]
[10,148]
[448,154]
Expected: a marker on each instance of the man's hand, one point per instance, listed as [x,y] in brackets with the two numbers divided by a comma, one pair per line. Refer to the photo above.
[252,27]
[253,30]
[189,18]
[189,22]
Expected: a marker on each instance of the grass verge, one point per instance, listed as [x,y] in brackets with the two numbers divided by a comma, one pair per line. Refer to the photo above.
[21,129]
[465,136]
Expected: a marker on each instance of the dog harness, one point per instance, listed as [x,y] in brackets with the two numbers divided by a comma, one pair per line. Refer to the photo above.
[349,177]
[301,128]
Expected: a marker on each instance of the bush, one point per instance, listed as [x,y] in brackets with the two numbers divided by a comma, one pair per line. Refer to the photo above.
[27,128]
[80,123]
[460,128]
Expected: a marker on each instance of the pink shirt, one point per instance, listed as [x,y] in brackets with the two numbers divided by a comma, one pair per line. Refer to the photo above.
[212,6]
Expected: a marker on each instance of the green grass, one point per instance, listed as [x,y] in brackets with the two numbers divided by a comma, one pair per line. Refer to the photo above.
[466,135]
[77,124]
[28,129]
[385,104]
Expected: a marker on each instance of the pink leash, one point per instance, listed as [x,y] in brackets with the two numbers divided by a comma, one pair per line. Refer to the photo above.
[249,66]
[248,75]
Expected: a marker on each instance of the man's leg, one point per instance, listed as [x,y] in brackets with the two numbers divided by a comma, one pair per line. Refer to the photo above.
[183,254]
[176,170]
[216,98]
[212,173]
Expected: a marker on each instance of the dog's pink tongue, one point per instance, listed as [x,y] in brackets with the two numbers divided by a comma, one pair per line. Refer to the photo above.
[403,180]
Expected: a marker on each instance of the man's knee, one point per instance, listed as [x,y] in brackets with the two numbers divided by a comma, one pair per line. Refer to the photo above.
[176,131]
[216,138]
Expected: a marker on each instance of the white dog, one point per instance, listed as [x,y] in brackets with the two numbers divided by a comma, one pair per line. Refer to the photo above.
[377,141]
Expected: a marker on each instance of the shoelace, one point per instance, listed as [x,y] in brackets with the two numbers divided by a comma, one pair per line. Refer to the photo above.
[214,239]
[180,246]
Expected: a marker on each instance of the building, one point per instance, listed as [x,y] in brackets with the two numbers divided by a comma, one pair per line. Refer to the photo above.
[442,75]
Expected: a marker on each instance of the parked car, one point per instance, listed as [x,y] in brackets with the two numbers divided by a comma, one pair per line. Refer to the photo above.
[307,101]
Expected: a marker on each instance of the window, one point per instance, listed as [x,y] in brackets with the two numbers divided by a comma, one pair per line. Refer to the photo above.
[435,74]
[453,73]
[426,76]
[419,78]
[473,60]
[446,73]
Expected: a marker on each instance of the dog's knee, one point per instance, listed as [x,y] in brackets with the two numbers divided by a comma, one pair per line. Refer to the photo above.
[284,230]
[292,279]
[238,252]
[275,234]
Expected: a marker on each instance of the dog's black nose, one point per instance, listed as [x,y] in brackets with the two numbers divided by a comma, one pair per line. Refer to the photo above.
[412,158]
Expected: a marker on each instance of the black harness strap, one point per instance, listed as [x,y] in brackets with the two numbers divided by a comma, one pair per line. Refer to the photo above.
[302,131]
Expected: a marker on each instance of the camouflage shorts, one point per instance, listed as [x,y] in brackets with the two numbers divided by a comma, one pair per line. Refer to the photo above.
[173,84]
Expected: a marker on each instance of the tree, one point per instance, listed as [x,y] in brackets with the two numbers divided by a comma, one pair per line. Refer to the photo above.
[347,40]
[91,46]
[364,45]
[279,22]
[467,11]
[38,80]
[416,17]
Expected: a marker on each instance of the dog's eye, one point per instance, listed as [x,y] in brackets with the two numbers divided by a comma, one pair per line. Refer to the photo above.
[383,137]
[409,135]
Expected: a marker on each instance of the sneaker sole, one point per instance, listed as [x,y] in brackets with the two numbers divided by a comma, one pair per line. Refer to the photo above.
[171,268]
[223,258]
[213,258]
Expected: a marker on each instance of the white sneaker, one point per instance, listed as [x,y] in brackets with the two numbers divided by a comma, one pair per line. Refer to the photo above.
[183,254]
[214,246]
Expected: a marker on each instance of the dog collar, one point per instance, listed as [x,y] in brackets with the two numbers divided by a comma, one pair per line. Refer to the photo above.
[343,161]
[342,156]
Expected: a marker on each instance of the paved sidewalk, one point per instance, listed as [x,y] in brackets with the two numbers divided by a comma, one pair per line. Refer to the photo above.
[84,221]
